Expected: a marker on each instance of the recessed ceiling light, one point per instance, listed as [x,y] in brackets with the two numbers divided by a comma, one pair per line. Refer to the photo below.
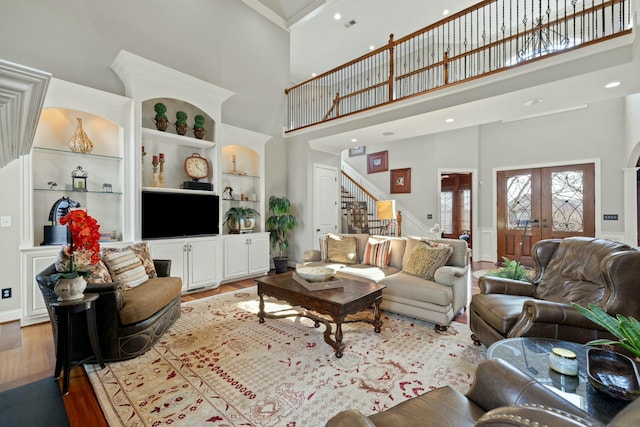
[445,12]
[387,133]
[449,120]
[337,16]
[354,139]
[612,85]
[313,74]
[531,102]
[372,47]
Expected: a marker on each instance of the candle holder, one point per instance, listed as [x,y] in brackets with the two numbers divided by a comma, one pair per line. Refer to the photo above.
[154,162]
[161,176]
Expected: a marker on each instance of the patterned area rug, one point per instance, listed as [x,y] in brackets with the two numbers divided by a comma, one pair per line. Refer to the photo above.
[218,366]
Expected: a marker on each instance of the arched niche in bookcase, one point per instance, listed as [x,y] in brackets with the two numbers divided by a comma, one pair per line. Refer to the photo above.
[173,106]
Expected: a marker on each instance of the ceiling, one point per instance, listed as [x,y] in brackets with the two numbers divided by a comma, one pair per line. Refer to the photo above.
[562,83]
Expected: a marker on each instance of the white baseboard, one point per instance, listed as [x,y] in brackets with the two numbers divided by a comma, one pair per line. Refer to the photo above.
[10,315]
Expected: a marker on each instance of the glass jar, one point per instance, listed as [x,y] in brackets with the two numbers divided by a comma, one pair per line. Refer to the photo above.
[563,361]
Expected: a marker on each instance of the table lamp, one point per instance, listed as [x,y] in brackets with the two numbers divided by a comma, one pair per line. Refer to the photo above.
[387,211]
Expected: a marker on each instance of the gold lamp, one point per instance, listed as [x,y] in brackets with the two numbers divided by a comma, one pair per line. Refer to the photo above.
[387,211]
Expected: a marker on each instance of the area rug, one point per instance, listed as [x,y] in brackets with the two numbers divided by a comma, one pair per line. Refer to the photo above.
[219,366]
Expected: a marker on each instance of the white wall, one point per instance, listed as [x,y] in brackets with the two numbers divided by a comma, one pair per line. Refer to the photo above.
[596,133]
[221,41]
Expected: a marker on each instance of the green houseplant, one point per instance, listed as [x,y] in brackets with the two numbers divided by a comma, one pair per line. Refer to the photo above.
[512,270]
[240,219]
[181,122]
[198,126]
[279,224]
[626,329]
[161,117]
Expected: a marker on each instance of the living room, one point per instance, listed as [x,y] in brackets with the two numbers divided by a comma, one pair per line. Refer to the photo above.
[233,46]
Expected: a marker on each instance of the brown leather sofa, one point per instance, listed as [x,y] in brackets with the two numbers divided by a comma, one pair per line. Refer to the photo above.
[128,322]
[576,269]
[501,395]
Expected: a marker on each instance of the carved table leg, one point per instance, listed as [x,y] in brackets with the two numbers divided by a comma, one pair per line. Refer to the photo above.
[376,316]
[261,306]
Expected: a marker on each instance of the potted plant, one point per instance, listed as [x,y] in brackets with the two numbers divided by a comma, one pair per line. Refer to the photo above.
[512,269]
[240,219]
[181,122]
[626,329]
[161,117]
[278,225]
[198,126]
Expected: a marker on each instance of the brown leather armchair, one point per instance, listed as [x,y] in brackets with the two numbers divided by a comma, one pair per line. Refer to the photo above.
[576,269]
[501,395]
[128,322]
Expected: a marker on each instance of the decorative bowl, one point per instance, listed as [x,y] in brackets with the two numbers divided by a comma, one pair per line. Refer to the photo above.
[315,274]
[613,374]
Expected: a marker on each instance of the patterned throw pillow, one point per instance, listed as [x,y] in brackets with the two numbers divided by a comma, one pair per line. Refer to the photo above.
[142,251]
[125,267]
[342,249]
[425,259]
[377,253]
[99,274]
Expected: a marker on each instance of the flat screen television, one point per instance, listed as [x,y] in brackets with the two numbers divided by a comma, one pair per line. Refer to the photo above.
[167,215]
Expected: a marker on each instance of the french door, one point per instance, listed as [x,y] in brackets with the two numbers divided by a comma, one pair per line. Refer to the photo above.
[543,203]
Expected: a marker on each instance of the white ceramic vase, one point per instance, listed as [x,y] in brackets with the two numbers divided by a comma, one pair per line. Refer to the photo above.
[70,289]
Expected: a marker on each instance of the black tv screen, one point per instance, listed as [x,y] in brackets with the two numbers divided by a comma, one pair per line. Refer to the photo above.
[166,215]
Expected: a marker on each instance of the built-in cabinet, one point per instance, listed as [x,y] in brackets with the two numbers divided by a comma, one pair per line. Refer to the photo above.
[192,259]
[246,255]
[46,177]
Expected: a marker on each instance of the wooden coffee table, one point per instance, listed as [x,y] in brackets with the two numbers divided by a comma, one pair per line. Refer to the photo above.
[336,303]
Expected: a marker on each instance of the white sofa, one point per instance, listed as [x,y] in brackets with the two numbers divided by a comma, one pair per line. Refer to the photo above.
[436,301]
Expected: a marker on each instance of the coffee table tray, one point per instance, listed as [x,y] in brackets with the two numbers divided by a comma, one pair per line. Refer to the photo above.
[333,283]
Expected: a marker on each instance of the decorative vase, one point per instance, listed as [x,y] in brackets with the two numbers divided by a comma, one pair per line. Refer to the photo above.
[181,128]
[199,132]
[70,289]
[161,124]
[244,225]
[80,142]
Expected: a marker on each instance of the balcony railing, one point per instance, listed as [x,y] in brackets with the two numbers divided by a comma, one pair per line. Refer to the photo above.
[486,38]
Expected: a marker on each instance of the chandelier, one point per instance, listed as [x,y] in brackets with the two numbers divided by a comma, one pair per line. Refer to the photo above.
[542,42]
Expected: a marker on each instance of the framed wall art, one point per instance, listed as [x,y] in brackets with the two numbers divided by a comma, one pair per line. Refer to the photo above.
[356,151]
[401,180]
[377,162]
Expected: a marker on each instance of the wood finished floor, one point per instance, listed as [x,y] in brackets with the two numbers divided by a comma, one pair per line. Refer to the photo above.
[27,355]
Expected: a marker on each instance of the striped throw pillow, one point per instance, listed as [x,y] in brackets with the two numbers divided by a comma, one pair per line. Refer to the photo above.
[377,253]
[125,267]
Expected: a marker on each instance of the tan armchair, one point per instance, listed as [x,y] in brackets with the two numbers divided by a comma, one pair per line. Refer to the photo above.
[576,269]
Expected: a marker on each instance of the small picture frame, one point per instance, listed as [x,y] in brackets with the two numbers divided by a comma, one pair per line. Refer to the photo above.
[356,151]
[377,162]
[400,180]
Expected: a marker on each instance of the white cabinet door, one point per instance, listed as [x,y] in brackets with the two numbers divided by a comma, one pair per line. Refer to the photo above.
[235,256]
[33,309]
[176,251]
[258,253]
[202,266]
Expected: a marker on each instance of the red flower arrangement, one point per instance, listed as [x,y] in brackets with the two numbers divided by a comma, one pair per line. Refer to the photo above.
[77,258]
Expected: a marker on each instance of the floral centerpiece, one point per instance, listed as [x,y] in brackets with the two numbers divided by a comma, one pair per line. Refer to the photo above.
[75,261]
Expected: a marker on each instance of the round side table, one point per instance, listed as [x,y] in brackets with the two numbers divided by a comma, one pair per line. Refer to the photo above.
[65,310]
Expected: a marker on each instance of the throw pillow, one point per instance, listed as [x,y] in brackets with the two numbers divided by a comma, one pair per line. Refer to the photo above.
[323,247]
[141,250]
[125,267]
[342,249]
[425,259]
[377,253]
[99,274]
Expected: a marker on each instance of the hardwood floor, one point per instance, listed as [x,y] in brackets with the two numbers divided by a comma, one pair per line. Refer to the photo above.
[27,355]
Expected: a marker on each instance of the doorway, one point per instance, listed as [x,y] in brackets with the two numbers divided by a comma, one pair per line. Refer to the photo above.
[543,203]
[455,206]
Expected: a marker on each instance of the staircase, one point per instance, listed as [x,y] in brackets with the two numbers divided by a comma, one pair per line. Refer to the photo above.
[359,210]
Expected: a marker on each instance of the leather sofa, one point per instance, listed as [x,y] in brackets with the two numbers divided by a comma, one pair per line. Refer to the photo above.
[128,322]
[582,270]
[436,301]
[501,395]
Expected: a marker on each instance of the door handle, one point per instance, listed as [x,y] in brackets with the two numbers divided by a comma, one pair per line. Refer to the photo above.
[318,230]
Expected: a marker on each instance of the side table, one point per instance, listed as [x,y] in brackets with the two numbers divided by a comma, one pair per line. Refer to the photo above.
[531,356]
[64,311]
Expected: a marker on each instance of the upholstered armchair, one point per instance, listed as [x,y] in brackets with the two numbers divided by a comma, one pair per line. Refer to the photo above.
[129,321]
[576,269]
